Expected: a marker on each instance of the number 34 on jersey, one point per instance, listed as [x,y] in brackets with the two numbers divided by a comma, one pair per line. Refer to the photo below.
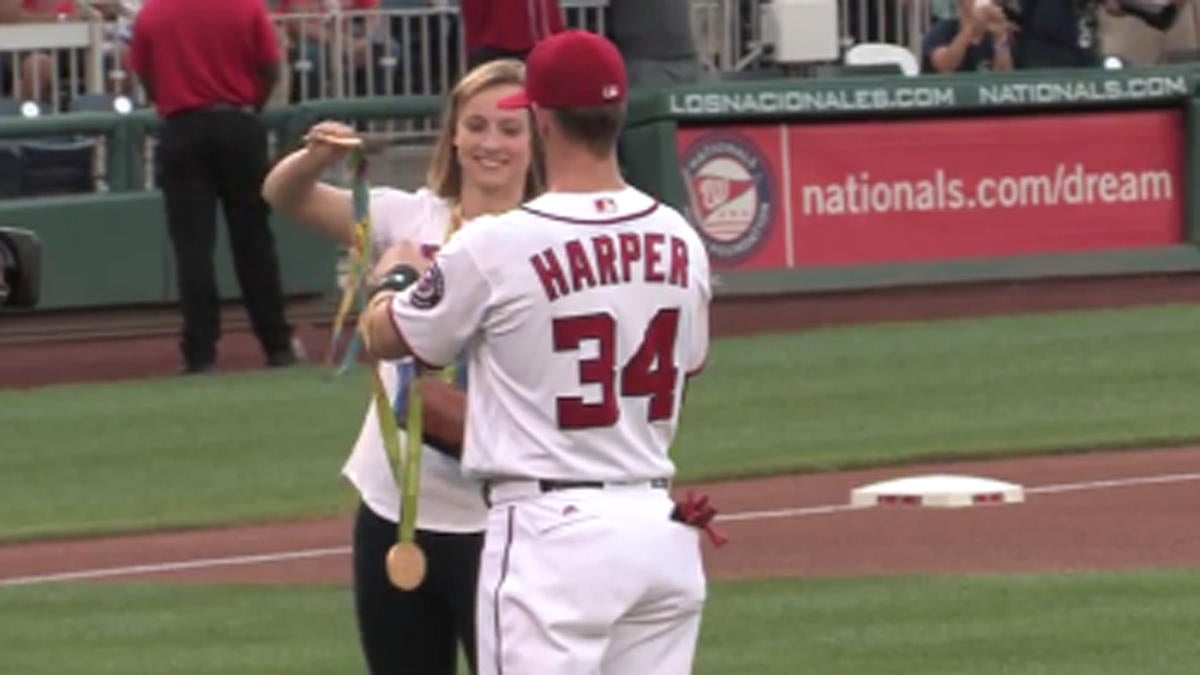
[651,372]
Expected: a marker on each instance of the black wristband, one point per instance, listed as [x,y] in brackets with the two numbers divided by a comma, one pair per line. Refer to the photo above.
[397,279]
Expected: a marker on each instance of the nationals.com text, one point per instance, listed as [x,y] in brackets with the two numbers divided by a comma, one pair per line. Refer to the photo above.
[1068,185]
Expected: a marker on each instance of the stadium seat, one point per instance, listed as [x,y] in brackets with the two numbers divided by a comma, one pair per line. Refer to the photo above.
[846,70]
[92,103]
[763,72]
[63,164]
[10,154]
[883,54]
[54,167]
[10,170]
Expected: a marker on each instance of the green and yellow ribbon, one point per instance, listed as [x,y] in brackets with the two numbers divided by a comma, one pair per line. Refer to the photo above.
[407,459]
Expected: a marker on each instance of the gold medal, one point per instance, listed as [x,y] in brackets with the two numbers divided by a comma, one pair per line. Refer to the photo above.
[406,565]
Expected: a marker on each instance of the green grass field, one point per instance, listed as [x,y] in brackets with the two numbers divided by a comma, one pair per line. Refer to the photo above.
[269,445]
[1085,624]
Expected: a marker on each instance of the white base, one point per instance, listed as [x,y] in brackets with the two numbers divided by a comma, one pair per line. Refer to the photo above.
[944,491]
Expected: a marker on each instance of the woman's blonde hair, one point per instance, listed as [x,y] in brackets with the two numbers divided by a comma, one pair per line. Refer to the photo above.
[445,176]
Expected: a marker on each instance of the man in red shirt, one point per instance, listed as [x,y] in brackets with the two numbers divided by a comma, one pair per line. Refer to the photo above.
[209,67]
[496,29]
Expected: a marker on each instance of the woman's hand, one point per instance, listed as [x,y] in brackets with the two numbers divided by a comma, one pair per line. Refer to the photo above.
[328,142]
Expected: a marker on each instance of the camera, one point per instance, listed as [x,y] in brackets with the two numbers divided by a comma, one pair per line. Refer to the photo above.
[1014,10]
[20,268]
[1156,14]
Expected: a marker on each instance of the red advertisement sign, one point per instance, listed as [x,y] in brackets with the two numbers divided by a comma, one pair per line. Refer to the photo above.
[734,180]
[926,190]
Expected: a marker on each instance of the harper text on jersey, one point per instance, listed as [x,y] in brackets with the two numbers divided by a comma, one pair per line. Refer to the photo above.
[613,259]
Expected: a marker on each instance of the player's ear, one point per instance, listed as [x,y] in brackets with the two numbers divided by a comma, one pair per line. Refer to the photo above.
[541,119]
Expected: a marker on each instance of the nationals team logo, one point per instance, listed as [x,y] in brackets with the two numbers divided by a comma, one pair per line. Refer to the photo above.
[429,289]
[730,201]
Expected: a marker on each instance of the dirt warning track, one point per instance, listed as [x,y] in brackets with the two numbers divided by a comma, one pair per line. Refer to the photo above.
[1097,511]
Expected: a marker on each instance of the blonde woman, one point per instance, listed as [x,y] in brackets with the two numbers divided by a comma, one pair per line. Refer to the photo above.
[485,161]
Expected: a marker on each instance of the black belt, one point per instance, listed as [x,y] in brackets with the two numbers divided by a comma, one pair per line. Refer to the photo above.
[553,485]
[217,107]
[550,485]
[239,107]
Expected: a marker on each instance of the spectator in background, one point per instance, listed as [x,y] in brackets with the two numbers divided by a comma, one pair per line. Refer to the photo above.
[35,74]
[120,14]
[655,37]
[874,20]
[1057,34]
[978,39]
[1141,41]
[496,29]
[209,67]
[430,51]
[310,43]
[942,9]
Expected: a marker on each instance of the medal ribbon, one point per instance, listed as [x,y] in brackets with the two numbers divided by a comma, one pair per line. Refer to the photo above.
[406,457]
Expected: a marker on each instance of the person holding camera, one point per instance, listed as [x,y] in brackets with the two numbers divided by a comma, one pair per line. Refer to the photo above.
[978,39]
[1067,33]
[1142,40]
[1054,33]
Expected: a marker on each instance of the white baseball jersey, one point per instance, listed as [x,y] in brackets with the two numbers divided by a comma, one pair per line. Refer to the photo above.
[582,314]
[448,501]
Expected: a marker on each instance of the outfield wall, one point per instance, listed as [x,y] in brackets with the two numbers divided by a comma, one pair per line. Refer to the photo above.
[795,185]
[808,185]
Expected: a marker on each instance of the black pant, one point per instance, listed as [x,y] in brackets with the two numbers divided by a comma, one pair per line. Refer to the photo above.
[1033,51]
[211,155]
[416,631]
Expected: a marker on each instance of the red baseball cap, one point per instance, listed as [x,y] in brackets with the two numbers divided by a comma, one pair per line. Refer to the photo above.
[570,69]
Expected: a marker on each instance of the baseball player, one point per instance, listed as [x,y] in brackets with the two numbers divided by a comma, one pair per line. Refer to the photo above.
[484,161]
[583,312]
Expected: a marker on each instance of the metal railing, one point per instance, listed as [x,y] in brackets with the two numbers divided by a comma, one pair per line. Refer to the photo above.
[394,52]
[384,52]
[48,62]
[902,22]
[339,54]
[52,61]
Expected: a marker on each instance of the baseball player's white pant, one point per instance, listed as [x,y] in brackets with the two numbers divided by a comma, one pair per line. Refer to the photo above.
[586,582]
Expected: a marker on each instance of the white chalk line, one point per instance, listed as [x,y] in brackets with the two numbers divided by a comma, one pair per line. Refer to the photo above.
[1115,482]
[1039,489]
[154,568]
[284,556]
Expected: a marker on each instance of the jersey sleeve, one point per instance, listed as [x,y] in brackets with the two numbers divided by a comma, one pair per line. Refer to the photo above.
[440,313]
[698,333]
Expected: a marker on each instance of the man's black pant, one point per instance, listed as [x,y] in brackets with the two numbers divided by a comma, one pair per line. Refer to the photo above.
[416,631]
[210,155]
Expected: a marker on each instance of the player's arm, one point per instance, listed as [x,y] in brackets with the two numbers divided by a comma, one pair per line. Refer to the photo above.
[432,318]
[399,269]
[444,408]
[267,57]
